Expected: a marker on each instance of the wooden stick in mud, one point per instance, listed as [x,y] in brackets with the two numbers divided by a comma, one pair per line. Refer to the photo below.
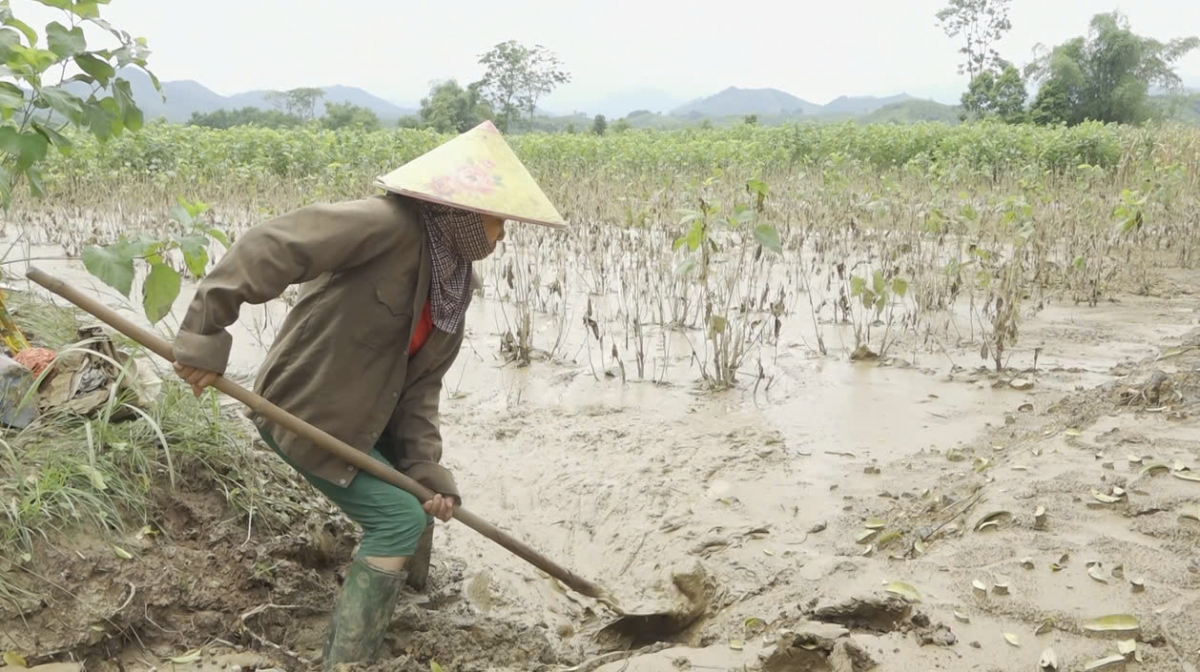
[330,443]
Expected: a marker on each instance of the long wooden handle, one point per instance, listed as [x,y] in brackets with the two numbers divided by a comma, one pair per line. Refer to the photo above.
[342,450]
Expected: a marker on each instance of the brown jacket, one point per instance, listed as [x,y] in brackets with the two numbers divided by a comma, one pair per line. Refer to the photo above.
[341,361]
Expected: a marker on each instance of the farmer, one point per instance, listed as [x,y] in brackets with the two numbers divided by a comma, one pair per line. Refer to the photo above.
[386,282]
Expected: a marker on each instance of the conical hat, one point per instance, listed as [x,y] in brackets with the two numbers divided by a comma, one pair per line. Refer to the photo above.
[476,171]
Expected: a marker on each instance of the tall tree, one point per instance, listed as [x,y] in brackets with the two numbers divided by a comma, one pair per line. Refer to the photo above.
[517,77]
[999,96]
[301,102]
[349,115]
[1105,76]
[451,108]
[981,24]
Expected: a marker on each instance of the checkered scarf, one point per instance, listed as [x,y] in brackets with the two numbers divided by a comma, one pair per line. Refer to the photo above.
[456,238]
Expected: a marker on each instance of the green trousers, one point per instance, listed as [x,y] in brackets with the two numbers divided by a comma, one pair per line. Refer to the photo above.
[392,520]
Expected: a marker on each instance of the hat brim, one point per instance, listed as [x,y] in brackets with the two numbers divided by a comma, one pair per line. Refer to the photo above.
[500,215]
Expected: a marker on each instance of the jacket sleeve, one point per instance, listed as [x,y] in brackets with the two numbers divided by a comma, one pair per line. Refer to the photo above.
[290,249]
[416,428]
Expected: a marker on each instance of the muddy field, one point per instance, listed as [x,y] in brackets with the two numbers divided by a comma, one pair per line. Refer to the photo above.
[912,512]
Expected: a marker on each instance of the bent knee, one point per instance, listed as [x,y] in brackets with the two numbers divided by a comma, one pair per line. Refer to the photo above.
[394,526]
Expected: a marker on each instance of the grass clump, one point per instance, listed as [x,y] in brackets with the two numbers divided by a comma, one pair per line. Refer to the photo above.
[67,472]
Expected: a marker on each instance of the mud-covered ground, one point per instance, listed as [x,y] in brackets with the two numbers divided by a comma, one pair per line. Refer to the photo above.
[919,473]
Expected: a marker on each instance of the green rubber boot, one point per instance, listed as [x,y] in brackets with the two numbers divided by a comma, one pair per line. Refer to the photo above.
[362,614]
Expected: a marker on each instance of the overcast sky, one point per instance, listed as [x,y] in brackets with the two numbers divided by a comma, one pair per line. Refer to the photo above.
[395,48]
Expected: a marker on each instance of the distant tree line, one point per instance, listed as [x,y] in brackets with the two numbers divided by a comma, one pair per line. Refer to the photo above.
[1105,76]
[291,108]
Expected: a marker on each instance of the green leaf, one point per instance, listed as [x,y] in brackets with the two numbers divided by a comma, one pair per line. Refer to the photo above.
[434,667]
[60,142]
[99,121]
[11,98]
[57,4]
[877,282]
[695,236]
[857,285]
[217,235]
[96,67]
[26,148]
[112,265]
[160,291]
[86,10]
[195,253]
[758,187]
[686,267]
[65,103]
[768,237]
[900,286]
[10,41]
[65,42]
[29,33]
[180,214]
[131,116]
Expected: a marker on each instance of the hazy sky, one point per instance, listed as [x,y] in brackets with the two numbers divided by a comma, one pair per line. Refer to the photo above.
[395,48]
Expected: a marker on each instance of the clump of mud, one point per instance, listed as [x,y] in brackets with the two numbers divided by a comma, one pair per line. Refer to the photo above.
[808,652]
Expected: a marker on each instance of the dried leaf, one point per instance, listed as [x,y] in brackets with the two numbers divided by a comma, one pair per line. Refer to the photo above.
[919,547]
[14,659]
[1150,469]
[1012,639]
[189,657]
[1190,513]
[1101,497]
[993,518]
[1045,626]
[1001,588]
[887,538]
[1112,623]
[962,617]
[1126,646]
[865,536]
[1103,663]
[1118,572]
[1027,563]
[737,644]
[1187,476]
[1073,431]
[905,590]
[980,587]
[1048,661]
[1097,573]
[874,524]
[1138,584]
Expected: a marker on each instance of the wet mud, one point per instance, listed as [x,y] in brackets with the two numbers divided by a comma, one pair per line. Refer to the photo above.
[914,511]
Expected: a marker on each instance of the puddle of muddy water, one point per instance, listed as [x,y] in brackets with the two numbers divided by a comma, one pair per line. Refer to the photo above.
[628,481]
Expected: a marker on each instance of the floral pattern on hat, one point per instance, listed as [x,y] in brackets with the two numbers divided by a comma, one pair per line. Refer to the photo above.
[474,177]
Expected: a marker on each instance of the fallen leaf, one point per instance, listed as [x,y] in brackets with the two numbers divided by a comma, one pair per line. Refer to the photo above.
[1126,646]
[905,590]
[1001,588]
[737,644]
[1101,497]
[988,524]
[1045,626]
[122,553]
[1048,661]
[1012,639]
[980,588]
[96,477]
[1187,476]
[1073,431]
[1021,384]
[1103,663]
[865,536]
[1118,572]
[14,659]
[1020,467]
[874,524]
[434,667]
[1135,459]
[1191,513]
[982,464]
[887,538]
[1138,584]
[189,657]
[1150,469]
[1027,563]
[1055,567]
[993,517]
[1112,623]
[1097,573]
[1025,408]
[919,547]
[962,617]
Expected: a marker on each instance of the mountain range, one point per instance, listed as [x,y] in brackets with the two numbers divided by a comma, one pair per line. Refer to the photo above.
[185,97]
